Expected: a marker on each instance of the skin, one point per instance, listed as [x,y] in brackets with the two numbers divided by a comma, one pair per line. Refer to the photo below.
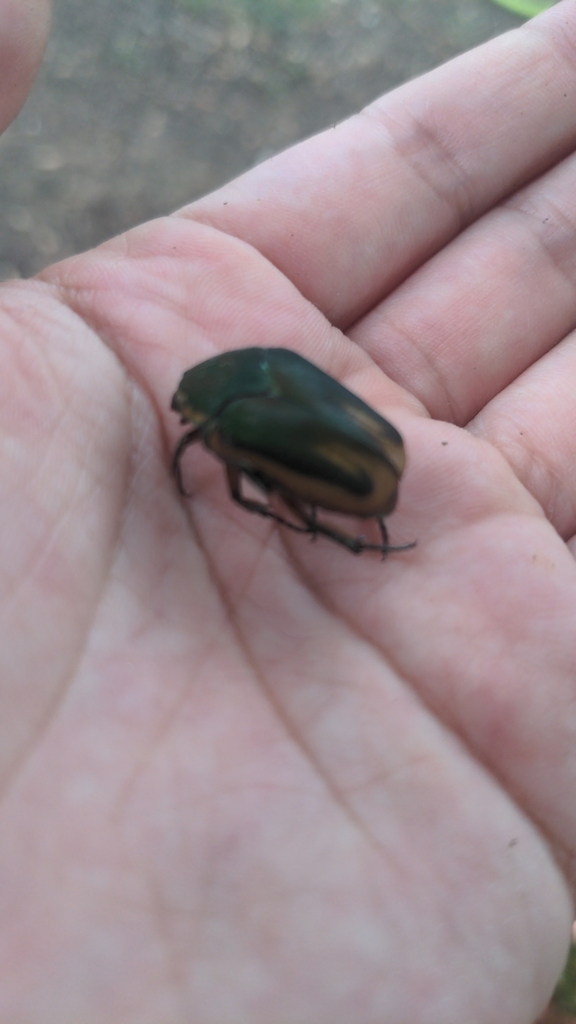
[246,778]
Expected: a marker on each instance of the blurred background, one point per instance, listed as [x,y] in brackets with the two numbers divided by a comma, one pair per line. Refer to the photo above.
[144,105]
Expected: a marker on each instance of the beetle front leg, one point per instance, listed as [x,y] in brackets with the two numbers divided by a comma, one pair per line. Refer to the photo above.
[190,438]
[234,476]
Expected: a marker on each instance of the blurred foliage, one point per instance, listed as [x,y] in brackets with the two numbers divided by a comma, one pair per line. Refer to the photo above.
[279,13]
[273,14]
[562,1007]
[565,994]
[525,8]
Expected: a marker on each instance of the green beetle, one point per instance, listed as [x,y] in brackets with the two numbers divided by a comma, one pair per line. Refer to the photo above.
[290,428]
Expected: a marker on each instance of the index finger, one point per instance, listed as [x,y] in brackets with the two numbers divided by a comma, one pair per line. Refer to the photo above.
[350,213]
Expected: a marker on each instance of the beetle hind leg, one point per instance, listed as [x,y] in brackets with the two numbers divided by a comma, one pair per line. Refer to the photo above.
[309,518]
[385,547]
[354,544]
[234,476]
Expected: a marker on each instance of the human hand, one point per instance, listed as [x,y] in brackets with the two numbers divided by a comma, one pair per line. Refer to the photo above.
[251,778]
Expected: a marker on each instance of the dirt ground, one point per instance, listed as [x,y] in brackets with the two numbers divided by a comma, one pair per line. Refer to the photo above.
[143,105]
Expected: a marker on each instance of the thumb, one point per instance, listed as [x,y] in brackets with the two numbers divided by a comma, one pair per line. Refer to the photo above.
[23,33]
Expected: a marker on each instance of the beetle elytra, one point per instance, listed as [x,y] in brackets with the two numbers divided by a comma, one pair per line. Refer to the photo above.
[293,430]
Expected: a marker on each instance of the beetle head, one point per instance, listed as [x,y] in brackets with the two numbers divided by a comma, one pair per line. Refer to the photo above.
[207,388]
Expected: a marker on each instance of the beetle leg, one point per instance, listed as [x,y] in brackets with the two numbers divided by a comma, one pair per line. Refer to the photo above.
[185,440]
[354,544]
[234,476]
[386,546]
[314,520]
[384,535]
[383,531]
[311,518]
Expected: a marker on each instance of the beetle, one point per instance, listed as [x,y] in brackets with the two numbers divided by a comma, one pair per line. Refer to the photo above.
[272,416]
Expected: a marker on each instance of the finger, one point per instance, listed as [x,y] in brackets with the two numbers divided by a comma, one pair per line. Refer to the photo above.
[170,293]
[489,305]
[23,34]
[533,424]
[350,213]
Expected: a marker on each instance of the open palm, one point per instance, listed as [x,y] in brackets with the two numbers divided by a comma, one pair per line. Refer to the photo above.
[248,778]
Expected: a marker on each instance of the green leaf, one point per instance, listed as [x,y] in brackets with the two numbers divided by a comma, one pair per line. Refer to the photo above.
[525,8]
[565,994]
